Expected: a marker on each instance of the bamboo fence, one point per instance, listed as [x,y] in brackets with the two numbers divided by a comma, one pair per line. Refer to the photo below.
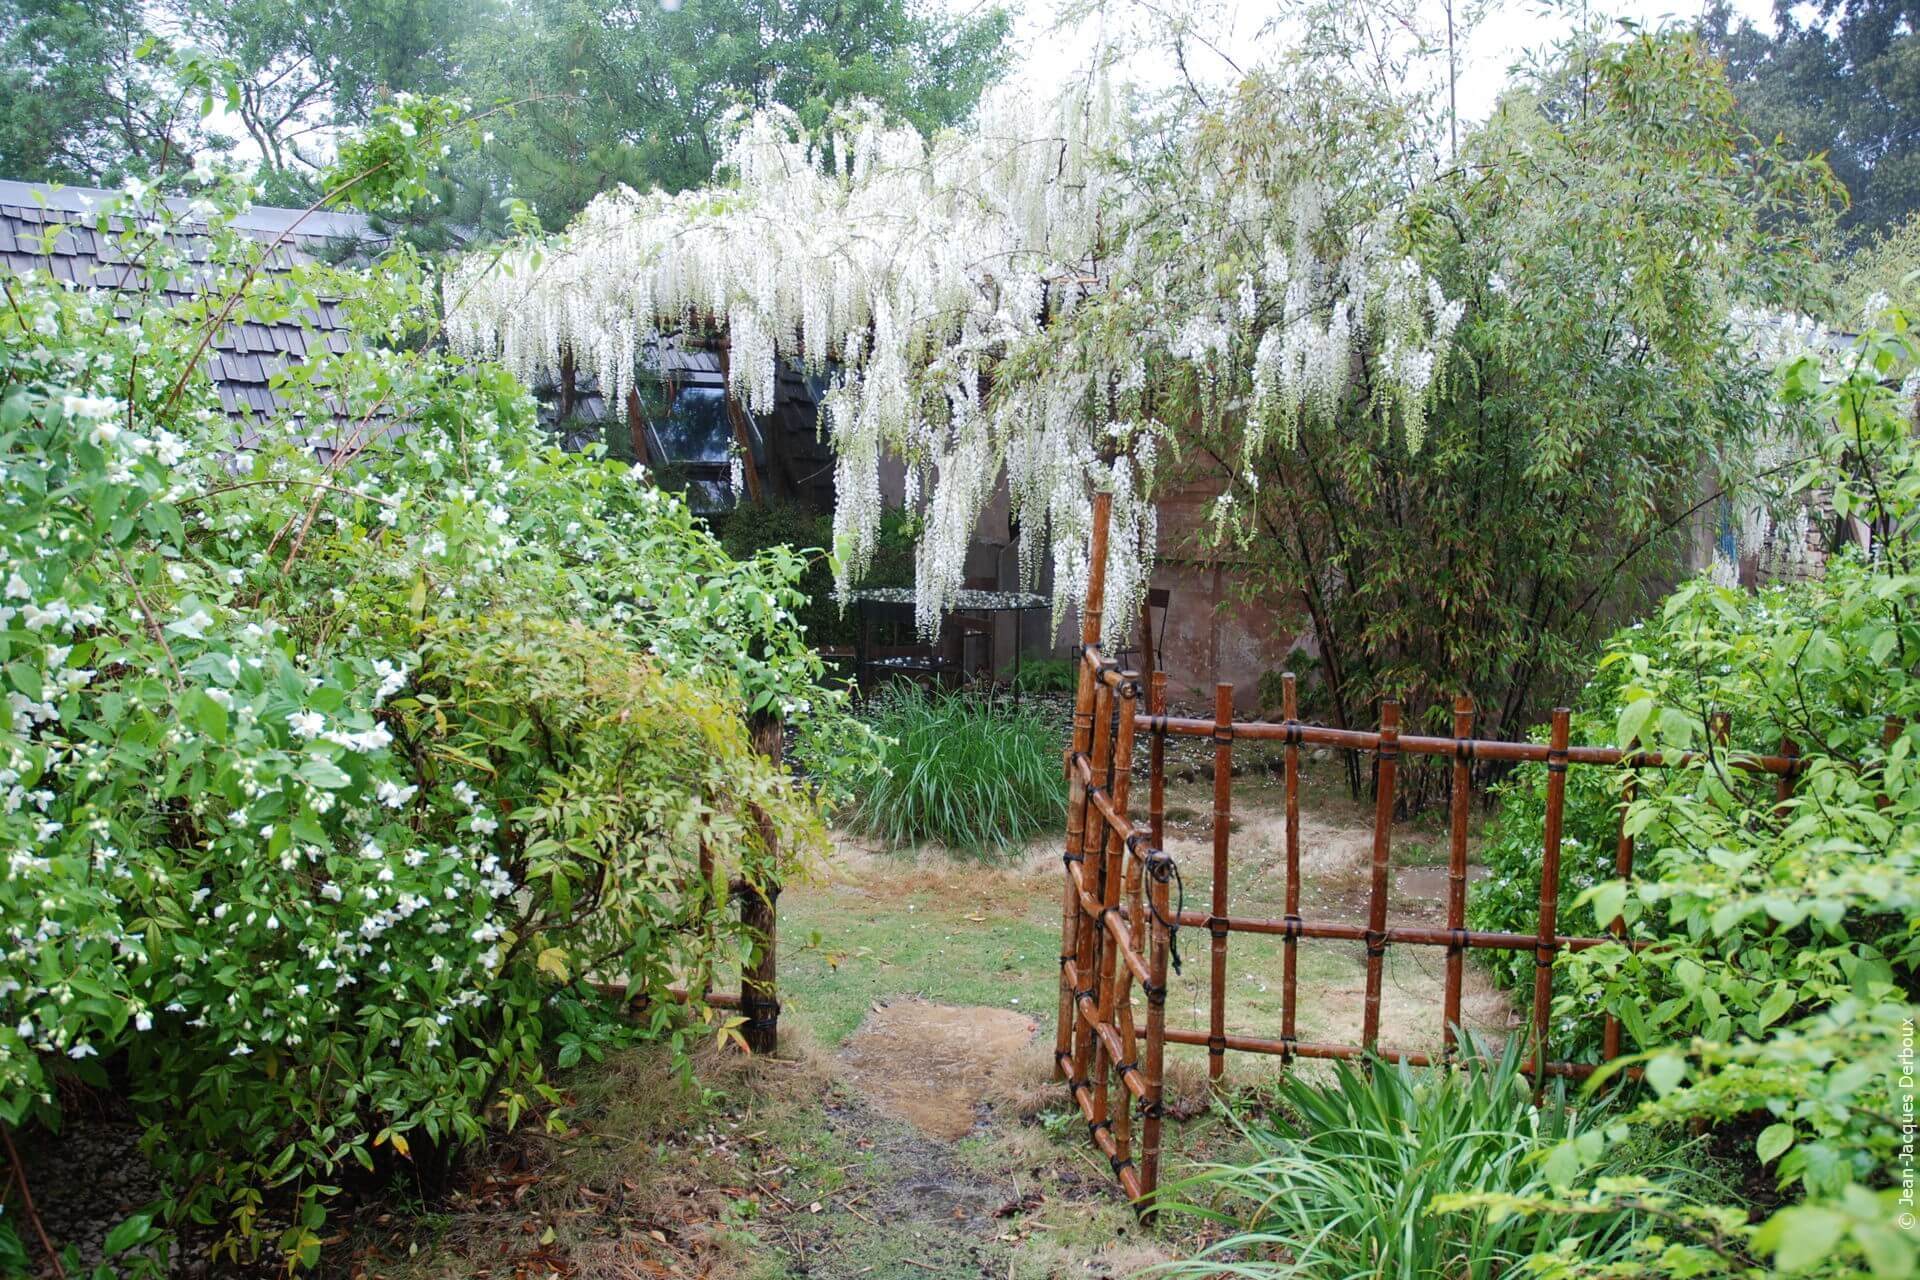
[1117,929]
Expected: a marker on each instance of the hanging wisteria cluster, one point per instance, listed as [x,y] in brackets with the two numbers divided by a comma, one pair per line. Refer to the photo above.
[931,281]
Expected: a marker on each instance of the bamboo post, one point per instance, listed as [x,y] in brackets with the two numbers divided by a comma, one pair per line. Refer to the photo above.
[1617,927]
[1289,974]
[1157,761]
[1112,879]
[1217,917]
[1126,862]
[1094,947]
[1155,1065]
[1387,757]
[1076,790]
[1547,943]
[1462,798]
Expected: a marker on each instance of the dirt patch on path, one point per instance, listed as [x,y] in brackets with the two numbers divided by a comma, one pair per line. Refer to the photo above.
[931,1064]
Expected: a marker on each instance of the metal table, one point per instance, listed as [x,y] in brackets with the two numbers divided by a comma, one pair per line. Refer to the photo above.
[871,600]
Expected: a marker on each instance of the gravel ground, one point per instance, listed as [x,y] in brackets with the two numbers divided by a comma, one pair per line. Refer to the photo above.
[85,1180]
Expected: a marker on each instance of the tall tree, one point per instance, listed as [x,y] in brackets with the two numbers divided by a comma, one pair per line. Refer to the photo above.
[305,71]
[1595,231]
[78,102]
[634,91]
[1840,77]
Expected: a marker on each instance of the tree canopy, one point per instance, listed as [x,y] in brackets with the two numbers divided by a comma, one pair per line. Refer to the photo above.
[1839,77]
[636,93]
[587,95]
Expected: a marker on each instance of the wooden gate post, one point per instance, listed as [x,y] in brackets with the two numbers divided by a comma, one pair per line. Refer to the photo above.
[1386,758]
[1153,1106]
[1547,940]
[759,912]
[1217,916]
[1457,872]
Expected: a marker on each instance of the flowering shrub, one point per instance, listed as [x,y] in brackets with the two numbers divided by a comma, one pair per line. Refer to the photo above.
[323,784]
[1508,900]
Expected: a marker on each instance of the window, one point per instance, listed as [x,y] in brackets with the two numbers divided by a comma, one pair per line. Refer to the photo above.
[693,437]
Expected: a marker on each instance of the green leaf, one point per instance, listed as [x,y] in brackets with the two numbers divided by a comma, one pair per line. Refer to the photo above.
[323,773]
[128,1234]
[1607,901]
[1665,1072]
[1633,720]
[1562,1165]
[1889,1252]
[1802,1236]
[1773,1141]
[208,716]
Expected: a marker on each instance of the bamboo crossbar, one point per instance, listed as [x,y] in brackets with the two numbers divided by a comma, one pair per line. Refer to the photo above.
[1286,1048]
[1299,733]
[1469,939]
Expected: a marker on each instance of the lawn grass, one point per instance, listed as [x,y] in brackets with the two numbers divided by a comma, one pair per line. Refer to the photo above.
[848,945]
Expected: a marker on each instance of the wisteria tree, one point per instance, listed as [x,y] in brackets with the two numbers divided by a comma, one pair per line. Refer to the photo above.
[1460,403]
[1020,297]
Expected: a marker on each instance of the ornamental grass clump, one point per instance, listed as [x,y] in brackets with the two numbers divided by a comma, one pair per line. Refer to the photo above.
[1349,1177]
[968,773]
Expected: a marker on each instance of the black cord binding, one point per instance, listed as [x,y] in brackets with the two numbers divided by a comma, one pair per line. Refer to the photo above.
[1161,866]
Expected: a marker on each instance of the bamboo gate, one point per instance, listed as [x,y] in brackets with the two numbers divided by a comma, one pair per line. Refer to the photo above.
[1117,925]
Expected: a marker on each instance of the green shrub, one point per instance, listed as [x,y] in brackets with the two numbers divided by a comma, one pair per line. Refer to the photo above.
[964,772]
[1045,675]
[1775,1005]
[1347,1178]
[325,784]
[752,528]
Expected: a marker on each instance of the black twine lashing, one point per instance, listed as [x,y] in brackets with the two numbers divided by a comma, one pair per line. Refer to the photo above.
[1162,867]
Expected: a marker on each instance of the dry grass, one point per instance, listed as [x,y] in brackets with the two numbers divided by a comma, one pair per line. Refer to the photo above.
[1026,1087]
[643,1175]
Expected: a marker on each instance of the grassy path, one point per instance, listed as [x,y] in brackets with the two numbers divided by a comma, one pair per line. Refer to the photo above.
[910,1126]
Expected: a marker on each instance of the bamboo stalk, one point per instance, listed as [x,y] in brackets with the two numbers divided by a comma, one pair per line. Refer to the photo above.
[1457,874]
[1414,935]
[1386,757]
[1095,944]
[1316,735]
[1222,823]
[1549,896]
[1290,959]
[1124,866]
[1155,1067]
[1623,869]
[1313,1050]
[1076,789]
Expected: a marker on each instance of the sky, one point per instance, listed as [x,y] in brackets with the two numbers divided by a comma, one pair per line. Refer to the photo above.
[1508,31]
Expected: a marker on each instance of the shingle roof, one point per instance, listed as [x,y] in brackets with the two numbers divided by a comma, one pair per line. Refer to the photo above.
[242,358]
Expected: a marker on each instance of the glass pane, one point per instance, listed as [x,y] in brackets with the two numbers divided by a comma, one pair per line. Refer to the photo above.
[697,429]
